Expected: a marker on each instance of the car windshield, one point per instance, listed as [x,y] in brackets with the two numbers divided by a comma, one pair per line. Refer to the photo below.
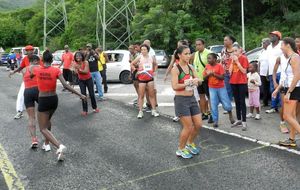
[159,53]
[56,58]
[217,49]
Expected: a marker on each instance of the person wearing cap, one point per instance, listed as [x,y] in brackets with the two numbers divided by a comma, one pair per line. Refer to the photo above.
[67,59]
[92,57]
[275,53]
[103,59]
[20,98]
[263,71]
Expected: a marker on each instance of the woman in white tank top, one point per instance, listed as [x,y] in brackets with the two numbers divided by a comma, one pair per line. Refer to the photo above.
[290,85]
[146,68]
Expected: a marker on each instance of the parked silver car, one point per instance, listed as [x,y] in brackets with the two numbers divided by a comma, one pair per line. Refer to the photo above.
[161,58]
[253,55]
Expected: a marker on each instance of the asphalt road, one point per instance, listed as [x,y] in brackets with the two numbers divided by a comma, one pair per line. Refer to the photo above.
[114,150]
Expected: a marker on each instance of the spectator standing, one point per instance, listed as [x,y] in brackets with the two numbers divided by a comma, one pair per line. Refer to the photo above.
[67,59]
[263,71]
[92,57]
[253,90]
[238,80]
[274,52]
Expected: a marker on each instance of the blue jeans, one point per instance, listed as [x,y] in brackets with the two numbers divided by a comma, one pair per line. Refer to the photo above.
[97,78]
[219,95]
[275,101]
[228,86]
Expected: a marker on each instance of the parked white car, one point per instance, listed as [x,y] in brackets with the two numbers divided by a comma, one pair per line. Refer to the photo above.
[36,51]
[161,58]
[216,49]
[118,66]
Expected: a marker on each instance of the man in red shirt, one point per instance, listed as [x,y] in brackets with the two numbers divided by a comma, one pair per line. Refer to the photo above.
[20,99]
[67,62]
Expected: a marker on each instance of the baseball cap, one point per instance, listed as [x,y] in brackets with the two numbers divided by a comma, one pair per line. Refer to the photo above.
[66,46]
[28,48]
[89,45]
[277,33]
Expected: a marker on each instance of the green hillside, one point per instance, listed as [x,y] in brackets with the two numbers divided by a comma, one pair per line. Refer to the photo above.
[8,5]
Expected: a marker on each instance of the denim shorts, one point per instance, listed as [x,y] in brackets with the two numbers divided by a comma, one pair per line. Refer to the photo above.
[186,106]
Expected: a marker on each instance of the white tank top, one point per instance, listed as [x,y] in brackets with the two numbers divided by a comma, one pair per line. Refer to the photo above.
[146,63]
[289,74]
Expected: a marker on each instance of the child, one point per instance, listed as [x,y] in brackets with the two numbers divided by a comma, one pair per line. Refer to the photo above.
[214,72]
[253,89]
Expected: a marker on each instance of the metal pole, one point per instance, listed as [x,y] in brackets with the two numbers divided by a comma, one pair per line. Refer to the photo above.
[127,21]
[243,25]
[104,25]
[45,24]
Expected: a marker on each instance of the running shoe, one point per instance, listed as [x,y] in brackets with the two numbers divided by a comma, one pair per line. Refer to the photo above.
[257,117]
[272,110]
[289,142]
[35,142]
[237,123]
[192,148]
[225,112]
[97,110]
[60,152]
[250,115]
[215,125]
[84,113]
[154,113]
[46,147]
[204,116]
[18,115]
[176,119]
[210,120]
[140,115]
[244,126]
[283,127]
[184,154]
[101,99]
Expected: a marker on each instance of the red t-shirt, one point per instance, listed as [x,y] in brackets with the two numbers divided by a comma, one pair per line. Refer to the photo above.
[237,77]
[28,81]
[82,76]
[46,78]
[25,62]
[214,82]
[67,58]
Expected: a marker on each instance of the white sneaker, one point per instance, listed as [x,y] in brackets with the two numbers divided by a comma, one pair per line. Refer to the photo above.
[257,117]
[244,126]
[250,115]
[272,110]
[175,119]
[154,113]
[140,115]
[46,147]
[18,115]
[60,151]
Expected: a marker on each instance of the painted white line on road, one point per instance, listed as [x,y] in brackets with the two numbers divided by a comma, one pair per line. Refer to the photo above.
[253,140]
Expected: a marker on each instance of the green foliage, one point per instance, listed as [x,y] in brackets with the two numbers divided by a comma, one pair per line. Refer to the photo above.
[163,22]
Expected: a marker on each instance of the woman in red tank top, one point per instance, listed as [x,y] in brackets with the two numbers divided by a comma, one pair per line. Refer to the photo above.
[85,82]
[48,101]
[184,79]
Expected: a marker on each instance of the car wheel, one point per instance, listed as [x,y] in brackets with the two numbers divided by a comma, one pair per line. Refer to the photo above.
[125,77]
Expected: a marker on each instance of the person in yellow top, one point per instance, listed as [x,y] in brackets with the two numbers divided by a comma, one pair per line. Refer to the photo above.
[199,60]
[103,59]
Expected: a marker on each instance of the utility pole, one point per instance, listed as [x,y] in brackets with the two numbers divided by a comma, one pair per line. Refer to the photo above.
[243,25]
[113,22]
[55,19]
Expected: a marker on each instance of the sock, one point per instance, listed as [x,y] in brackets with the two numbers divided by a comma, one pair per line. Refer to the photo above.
[282,122]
